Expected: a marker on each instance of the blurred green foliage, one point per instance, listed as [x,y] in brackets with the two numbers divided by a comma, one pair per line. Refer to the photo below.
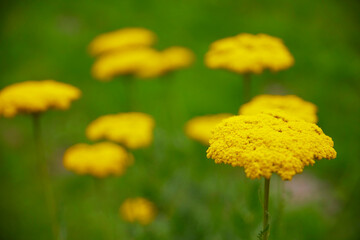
[196,198]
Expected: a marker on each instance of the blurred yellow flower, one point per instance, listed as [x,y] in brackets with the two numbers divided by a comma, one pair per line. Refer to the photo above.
[141,62]
[120,39]
[125,62]
[248,53]
[290,104]
[138,210]
[177,57]
[200,128]
[269,142]
[133,130]
[100,160]
[170,59]
[36,97]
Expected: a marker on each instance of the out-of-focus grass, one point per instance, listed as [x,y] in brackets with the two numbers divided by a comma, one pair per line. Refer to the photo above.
[196,198]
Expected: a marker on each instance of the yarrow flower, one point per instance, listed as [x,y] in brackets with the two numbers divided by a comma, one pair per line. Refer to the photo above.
[36,97]
[133,130]
[200,128]
[138,210]
[141,62]
[122,39]
[269,142]
[248,53]
[100,160]
[290,104]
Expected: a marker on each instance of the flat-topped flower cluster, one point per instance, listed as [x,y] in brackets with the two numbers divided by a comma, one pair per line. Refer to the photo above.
[269,142]
[129,51]
[248,53]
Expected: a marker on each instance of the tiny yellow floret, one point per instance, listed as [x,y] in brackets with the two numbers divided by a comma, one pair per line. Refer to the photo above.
[290,104]
[269,142]
[122,39]
[138,210]
[200,128]
[36,97]
[248,53]
[100,160]
[133,130]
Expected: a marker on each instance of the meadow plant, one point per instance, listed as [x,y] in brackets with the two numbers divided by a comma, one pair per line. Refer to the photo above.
[35,98]
[128,52]
[248,54]
[266,143]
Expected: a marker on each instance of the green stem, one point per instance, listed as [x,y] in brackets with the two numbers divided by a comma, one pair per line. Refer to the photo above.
[169,98]
[45,176]
[101,196]
[129,83]
[266,226]
[246,87]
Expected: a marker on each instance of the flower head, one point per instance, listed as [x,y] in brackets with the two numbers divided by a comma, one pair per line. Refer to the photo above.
[269,142]
[100,160]
[247,53]
[138,210]
[122,39]
[133,130]
[177,57]
[200,128]
[291,104]
[141,62]
[125,62]
[36,97]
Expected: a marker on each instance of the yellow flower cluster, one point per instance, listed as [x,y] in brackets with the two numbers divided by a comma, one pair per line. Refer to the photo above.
[269,142]
[100,160]
[133,130]
[36,97]
[141,62]
[290,104]
[121,39]
[248,53]
[200,128]
[138,210]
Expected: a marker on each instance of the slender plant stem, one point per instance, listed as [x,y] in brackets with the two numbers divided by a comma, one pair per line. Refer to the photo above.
[266,226]
[246,87]
[129,83]
[45,176]
[102,200]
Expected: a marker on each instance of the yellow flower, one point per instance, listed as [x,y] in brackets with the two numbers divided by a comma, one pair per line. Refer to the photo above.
[247,53]
[138,210]
[269,142]
[120,39]
[36,97]
[124,62]
[133,130]
[200,128]
[100,160]
[177,57]
[291,104]
[141,62]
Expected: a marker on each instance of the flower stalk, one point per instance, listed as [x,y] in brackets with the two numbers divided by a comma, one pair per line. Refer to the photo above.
[246,87]
[266,226]
[129,83]
[45,177]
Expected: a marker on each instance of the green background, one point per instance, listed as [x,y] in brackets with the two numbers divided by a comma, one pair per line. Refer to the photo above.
[196,199]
